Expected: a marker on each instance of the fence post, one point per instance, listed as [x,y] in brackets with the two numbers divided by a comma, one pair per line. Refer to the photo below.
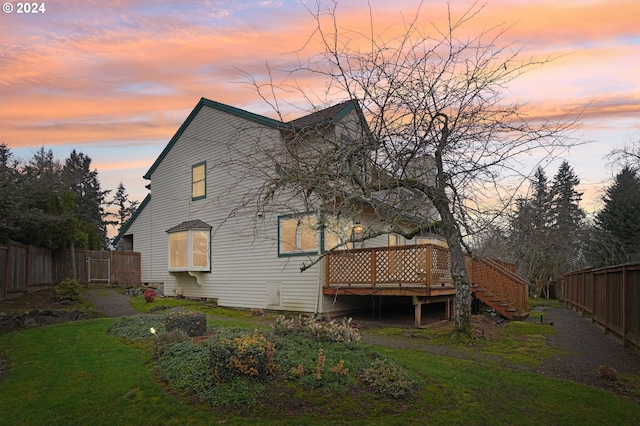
[606,301]
[624,306]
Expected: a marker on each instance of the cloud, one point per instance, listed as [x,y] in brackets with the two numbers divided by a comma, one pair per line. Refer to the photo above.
[127,73]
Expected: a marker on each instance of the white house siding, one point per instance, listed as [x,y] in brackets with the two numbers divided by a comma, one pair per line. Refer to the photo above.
[246,271]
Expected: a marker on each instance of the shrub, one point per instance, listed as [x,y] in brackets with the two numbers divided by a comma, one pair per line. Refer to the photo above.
[68,289]
[332,331]
[184,366]
[149,295]
[164,340]
[388,379]
[136,327]
[239,392]
[244,355]
[192,323]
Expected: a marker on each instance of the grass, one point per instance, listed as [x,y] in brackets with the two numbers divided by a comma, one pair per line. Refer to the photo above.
[216,316]
[76,374]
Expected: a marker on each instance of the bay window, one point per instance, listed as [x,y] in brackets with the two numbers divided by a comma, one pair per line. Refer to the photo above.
[189,247]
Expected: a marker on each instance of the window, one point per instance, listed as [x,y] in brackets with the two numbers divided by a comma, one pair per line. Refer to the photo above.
[297,235]
[394,241]
[189,247]
[337,234]
[199,181]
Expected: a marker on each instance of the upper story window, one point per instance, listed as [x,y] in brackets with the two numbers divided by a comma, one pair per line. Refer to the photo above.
[338,234]
[297,235]
[189,247]
[199,181]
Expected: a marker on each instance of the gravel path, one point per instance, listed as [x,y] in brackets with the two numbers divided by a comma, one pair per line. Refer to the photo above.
[583,347]
[110,302]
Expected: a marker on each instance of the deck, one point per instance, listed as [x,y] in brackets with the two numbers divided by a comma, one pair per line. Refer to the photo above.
[423,271]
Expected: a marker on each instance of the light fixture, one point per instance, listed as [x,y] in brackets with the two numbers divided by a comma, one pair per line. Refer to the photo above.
[357,228]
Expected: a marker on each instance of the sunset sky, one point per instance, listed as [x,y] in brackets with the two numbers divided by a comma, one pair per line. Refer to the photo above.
[115,79]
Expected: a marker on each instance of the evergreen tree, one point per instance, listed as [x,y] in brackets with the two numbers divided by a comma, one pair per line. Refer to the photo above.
[567,221]
[530,234]
[9,194]
[126,207]
[45,215]
[619,220]
[90,199]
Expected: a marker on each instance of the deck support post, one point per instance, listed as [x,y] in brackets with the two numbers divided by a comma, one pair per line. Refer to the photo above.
[448,308]
[418,311]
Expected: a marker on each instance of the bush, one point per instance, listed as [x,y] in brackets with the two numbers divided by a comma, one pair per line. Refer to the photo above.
[339,332]
[184,366]
[239,392]
[136,327]
[68,289]
[244,355]
[164,340]
[388,379]
[149,295]
[192,323]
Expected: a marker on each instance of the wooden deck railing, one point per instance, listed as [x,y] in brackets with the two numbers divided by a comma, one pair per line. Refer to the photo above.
[499,287]
[427,266]
[402,266]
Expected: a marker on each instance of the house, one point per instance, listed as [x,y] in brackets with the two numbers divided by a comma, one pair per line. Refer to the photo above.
[203,233]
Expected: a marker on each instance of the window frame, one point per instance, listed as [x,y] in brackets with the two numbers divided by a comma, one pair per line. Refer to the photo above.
[202,164]
[190,251]
[297,251]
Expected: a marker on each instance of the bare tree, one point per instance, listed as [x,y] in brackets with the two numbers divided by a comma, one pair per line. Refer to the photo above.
[442,143]
[628,155]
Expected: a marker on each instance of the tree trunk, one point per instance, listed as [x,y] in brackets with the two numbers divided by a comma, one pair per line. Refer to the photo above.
[458,270]
[462,286]
[72,249]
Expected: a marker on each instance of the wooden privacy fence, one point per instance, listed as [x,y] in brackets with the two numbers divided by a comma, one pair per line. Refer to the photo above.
[610,296]
[25,267]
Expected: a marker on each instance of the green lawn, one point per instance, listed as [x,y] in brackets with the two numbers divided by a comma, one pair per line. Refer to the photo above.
[77,374]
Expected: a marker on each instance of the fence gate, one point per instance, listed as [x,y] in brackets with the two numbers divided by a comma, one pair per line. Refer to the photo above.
[98,270]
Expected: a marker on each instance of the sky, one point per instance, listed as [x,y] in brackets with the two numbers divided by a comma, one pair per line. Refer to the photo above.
[115,79]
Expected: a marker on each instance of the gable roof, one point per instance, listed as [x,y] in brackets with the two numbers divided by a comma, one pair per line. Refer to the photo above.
[260,119]
[332,114]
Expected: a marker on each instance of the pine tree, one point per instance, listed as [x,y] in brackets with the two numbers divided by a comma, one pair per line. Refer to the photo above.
[126,207]
[90,199]
[619,219]
[530,234]
[45,217]
[9,194]
[567,220]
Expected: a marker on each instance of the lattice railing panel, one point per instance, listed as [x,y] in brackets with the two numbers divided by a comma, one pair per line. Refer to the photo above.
[350,267]
[404,265]
[440,266]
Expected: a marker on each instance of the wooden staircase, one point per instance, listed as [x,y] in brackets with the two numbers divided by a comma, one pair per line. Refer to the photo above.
[498,286]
